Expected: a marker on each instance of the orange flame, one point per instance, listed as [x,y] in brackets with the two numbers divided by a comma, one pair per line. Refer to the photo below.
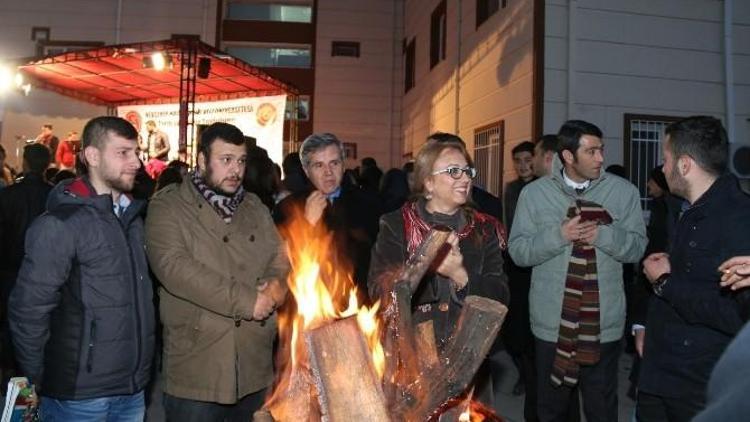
[321,290]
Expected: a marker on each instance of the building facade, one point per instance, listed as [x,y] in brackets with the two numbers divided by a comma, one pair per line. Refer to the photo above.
[47,27]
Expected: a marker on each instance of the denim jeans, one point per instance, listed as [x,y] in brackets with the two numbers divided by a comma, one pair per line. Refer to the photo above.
[130,408]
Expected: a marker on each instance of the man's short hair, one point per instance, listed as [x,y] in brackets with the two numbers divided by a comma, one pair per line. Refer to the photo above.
[37,157]
[316,142]
[548,143]
[569,136]
[96,130]
[228,133]
[703,139]
[446,137]
[151,123]
[525,146]
[47,126]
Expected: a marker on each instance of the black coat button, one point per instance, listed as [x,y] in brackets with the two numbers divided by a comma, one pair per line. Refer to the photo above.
[692,244]
[252,238]
[225,239]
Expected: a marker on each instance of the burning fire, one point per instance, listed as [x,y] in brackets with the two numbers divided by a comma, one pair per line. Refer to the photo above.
[476,412]
[323,292]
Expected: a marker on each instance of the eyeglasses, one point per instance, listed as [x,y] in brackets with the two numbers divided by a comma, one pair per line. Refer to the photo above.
[455,172]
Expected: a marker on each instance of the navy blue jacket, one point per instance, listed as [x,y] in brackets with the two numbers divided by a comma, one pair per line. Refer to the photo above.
[689,327]
[81,313]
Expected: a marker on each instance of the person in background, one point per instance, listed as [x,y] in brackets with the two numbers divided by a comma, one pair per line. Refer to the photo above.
[691,317]
[516,334]
[473,265]
[394,190]
[169,176]
[545,151]
[370,175]
[260,176]
[157,146]
[20,204]
[67,150]
[221,263]
[576,227]
[81,313]
[48,139]
[6,176]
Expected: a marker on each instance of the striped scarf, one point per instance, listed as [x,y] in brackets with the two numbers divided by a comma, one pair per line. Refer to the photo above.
[578,338]
[224,205]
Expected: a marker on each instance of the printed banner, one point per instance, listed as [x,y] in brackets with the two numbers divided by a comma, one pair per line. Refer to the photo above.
[259,117]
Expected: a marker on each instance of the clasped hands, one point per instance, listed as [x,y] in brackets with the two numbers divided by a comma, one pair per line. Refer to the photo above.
[271,294]
[575,231]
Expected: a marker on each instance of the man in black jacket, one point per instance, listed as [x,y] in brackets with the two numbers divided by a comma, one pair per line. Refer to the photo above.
[20,204]
[691,317]
[348,212]
[81,313]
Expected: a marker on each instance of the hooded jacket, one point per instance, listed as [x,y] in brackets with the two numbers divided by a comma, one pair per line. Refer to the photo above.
[81,313]
[536,241]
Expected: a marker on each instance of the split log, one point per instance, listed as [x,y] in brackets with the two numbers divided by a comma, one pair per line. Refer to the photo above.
[426,345]
[477,327]
[402,366]
[343,372]
[295,402]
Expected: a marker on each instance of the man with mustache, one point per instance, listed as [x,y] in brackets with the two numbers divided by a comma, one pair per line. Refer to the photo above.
[81,313]
[350,213]
[222,268]
[576,227]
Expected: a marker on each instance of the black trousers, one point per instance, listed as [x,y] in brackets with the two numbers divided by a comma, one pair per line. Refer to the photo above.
[659,408]
[185,410]
[597,384]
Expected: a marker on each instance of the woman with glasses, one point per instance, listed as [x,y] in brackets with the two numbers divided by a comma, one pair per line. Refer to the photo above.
[473,265]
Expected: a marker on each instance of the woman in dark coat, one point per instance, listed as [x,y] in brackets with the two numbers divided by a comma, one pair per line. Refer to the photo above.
[474,263]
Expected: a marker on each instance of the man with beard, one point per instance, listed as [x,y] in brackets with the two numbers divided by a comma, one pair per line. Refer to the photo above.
[215,250]
[81,313]
[576,227]
[693,317]
[348,212]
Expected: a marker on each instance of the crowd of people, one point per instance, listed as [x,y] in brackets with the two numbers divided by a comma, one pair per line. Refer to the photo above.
[82,257]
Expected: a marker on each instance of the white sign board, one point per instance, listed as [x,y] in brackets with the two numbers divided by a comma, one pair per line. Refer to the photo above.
[259,117]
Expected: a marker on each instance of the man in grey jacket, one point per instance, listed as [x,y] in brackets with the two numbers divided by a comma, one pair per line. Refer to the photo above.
[576,227]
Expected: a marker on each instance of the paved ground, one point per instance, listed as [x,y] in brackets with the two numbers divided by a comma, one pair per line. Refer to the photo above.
[508,405]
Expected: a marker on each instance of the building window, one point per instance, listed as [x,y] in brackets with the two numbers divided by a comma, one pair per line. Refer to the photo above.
[438,29]
[409,70]
[299,111]
[488,157]
[273,56]
[237,10]
[643,137]
[487,8]
[345,48]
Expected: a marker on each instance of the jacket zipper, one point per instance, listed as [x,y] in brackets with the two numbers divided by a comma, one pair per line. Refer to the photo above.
[92,337]
[137,303]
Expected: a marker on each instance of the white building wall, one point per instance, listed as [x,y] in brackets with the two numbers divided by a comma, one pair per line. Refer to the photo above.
[83,20]
[359,99]
[643,57]
[495,79]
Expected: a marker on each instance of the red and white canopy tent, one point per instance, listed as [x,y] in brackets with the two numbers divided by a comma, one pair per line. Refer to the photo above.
[116,75]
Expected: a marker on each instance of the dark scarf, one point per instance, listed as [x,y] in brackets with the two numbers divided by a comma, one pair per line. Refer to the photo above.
[225,206]
[416,228]
[578,338]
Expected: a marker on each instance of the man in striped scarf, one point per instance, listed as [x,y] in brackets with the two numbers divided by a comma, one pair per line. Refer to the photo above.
[576,227]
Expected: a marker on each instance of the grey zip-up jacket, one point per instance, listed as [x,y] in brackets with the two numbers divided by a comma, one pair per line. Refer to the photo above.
[536,241]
